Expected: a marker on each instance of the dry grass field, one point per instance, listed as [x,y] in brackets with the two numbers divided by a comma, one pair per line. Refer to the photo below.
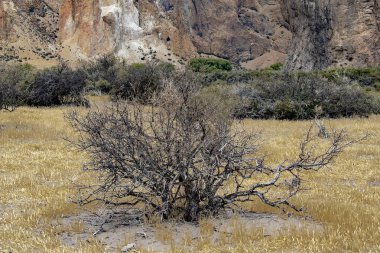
[38,169]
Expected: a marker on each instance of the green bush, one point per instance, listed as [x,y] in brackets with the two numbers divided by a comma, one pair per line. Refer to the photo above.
[277,66]
[209,65]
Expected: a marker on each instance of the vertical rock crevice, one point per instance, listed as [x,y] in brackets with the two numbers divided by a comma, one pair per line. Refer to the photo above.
[311,24]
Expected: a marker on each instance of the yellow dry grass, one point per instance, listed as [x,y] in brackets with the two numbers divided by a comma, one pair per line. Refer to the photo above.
[37,168]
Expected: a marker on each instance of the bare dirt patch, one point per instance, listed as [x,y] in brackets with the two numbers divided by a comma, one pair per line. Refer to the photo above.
[120,229]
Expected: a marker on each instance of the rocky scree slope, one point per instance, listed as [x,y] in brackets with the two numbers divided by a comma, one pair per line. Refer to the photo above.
[29,31]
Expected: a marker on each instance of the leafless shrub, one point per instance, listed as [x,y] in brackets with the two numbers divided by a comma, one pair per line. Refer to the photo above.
[181,157]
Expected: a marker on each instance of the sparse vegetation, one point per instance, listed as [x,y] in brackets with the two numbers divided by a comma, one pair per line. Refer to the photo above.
[37,176]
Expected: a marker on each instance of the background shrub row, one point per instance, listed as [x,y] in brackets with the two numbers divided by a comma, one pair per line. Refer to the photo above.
[267,93]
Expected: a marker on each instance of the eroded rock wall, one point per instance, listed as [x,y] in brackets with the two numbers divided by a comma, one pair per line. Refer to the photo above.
[133,30]
[238,30]
[234,29]
[332,33]
[310,34]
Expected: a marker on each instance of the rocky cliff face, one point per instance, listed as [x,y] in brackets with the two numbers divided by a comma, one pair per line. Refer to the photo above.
[238,30]
[333,33]
[255,33]
[175,29]
[133,30]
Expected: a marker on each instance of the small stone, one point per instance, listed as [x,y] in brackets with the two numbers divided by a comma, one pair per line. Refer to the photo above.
[128,248]
[141,234]
[375,183]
